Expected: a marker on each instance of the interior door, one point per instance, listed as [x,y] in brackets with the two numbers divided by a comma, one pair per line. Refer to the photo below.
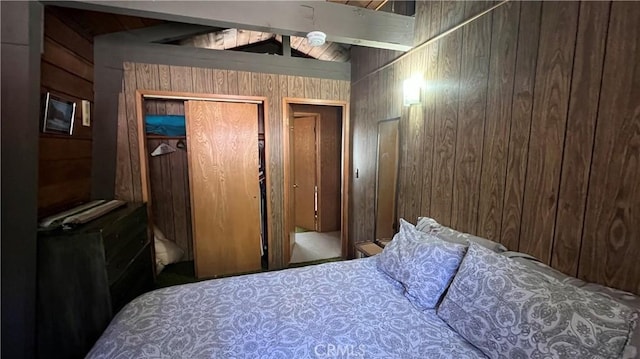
[304,172]
[222,139]
[387,178]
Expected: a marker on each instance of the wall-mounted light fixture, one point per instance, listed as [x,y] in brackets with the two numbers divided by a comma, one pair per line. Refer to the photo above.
[411,89]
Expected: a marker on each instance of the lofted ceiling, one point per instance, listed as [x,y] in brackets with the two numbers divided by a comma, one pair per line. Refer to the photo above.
[94,23]
[229,39]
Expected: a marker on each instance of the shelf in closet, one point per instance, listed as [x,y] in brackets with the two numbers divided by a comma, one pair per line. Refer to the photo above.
[162,137]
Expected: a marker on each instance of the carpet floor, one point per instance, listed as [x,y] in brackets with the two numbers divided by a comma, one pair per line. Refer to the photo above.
[314,246]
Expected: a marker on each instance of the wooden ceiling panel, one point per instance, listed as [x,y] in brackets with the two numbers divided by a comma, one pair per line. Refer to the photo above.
[232,38]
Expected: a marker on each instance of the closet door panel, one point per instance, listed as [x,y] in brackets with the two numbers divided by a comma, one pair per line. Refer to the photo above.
[223,170]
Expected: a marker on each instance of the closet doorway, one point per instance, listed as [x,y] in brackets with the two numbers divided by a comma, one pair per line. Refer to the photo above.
[316,162]
[223,201]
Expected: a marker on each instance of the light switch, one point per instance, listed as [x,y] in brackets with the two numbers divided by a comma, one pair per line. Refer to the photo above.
[86,113]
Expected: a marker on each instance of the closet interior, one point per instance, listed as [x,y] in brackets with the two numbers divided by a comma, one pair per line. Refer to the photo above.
[206,179]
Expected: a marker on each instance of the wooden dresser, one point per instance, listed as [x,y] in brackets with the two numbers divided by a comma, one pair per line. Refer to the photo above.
[86,275]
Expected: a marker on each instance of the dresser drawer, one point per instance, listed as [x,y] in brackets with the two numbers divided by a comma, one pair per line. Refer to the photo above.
[119,233]
[130,246]
[137,279]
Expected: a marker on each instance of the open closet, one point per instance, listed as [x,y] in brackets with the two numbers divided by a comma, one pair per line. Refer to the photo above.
[204,177]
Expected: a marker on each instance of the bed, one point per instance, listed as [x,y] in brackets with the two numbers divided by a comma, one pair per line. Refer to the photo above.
[339,309]
[432,293]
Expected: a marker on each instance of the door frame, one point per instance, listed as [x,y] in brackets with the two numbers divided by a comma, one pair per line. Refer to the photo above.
[287,114]
[142,94]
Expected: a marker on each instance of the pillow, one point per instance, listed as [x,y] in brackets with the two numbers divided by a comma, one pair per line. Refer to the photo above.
[424,264]
[431,226]
[509,311]
[167,252]
[629,299]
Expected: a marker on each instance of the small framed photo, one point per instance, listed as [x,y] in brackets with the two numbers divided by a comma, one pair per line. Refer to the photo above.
[58,115]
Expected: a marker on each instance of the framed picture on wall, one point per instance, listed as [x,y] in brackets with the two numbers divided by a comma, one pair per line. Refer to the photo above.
[58,115]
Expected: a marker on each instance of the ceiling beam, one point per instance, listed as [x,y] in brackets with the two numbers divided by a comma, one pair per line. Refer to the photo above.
[341,23]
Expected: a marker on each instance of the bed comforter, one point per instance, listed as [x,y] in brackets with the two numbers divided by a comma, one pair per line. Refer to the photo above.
[344,309]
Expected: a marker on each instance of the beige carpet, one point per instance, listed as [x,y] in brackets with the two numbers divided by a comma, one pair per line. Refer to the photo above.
[313,246]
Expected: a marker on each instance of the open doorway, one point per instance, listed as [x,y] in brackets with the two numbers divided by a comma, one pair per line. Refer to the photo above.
[314,174]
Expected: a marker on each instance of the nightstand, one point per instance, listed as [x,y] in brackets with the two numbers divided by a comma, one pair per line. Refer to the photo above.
[367,249]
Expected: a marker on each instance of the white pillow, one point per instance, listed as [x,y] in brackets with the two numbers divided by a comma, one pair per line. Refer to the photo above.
[167,252]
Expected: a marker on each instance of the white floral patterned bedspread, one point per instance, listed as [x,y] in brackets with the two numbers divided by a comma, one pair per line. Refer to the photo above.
[335,310]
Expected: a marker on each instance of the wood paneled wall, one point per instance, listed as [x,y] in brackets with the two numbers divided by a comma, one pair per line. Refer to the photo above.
[66,72]
[206,80]
[528,132]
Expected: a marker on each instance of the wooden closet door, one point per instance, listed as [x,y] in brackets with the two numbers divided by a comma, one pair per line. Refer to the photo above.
[222,144]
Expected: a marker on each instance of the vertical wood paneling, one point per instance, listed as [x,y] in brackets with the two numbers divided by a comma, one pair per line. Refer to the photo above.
[472,101]
[446,127]
[548,163]
[521,109]
[610,245]
[124,182]
[414,139]
[203,80]
[429,110]
[244,83]
[181,78]
[232,82]
[550,104]
[130,87]
[220,84]
[311,88]
[497,121]
[359,189]
[583,111]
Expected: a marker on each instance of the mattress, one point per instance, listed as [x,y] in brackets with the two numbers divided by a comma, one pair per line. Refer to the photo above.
[344,309]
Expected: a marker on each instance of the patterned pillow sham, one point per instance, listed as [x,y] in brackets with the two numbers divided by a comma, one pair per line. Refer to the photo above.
[424,264]
[632,350]
[431,226]
[509,311]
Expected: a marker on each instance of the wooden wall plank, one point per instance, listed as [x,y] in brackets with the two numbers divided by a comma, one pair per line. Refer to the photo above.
[498,118]
[124,182]
[181,78]
[244,83]
[295,86]
[61,56]
[446,127]
[130,87]
[428,144]
[203,80]
[421,25]
[551,101]
[65,82]
[583,111]
[232,81]
[610,245]
[521,110]
[415,131]
[472,101]
[220,84]
[312,87]
[58,31]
